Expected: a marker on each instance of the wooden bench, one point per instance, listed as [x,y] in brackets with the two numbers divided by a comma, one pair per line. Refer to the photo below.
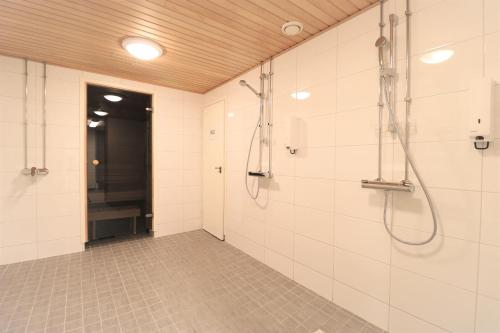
[111,213]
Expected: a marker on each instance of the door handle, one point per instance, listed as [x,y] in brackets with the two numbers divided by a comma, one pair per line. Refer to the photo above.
[218,168]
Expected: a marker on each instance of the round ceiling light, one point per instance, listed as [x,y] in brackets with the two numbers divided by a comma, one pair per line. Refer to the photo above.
[292,28]
[101,113]
[113,98]
[142,48]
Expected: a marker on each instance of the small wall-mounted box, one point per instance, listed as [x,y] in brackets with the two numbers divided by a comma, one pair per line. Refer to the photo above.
[481,112]
[292,139]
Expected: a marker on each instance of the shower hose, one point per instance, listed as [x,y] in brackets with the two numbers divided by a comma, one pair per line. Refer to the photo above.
[411,161]
[250,192]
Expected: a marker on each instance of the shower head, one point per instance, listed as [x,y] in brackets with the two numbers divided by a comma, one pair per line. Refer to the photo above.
[381,42]
[245,84]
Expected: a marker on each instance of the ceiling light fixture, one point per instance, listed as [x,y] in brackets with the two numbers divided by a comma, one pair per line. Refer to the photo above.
[94,124]
[301,95]
[292,28]
[142,48]
[100,113]
[113,98]
[436,57]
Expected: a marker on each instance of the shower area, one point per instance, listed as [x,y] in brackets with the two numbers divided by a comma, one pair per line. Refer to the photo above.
[119,180]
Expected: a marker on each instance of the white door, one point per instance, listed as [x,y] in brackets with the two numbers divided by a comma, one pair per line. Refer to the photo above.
[213,169]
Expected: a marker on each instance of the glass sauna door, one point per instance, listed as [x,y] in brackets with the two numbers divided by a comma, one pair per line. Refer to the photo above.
[119,184]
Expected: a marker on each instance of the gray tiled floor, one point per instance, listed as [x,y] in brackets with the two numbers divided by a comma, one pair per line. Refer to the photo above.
[189,282]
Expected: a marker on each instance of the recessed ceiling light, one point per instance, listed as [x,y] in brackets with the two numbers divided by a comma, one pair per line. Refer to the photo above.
[94,124]
[436,57]
[292,28]
[101,113]
[142,48]
[113,98]
[301,95]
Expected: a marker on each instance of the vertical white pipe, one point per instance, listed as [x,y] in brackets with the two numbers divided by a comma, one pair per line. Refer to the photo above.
[44,115]
[408,85]
[25,106]
[270,116]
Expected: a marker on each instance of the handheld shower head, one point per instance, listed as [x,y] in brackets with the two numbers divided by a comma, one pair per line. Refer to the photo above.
[245,84]
[381,42]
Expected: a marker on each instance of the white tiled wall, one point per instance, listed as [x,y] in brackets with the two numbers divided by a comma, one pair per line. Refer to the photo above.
[41,216]
[314,223]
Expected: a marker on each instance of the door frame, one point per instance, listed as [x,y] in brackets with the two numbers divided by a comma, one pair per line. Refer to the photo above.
[224,163]
[110,83]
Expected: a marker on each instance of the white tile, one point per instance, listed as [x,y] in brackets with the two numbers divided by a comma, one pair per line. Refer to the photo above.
[490,221]
[191,194]
[314,193]
[169,178]
[49,205]
[449,76]
[168,213]
[18,232]
[169,160]
[58,182]
[11,109]
[282,264]
[401,322]
[437,303]
[349,167]
[66,114]
[488,315]
[168,141]
[451,164]
[18,253]
[320,284]
[358,90]
[322,100]
[438,118]
[254,230]
[491,168]
[12,85]
[362,237]
[63,91]
[169,195]
[59,247]
[358,127]
[254,250]
[363,274]
[191,224]
[52,228]
[352,200]
[17,208]
[446,22]
[279,240]
[491,16]
[448,260]
[169,228]
[458,212]
[314,254]
[191,211]
[62,159]
[489,271]
[314,223]
[15,184]
[280,214]
[316,68]
[282,189]
[368,308]
[352,60]
[318,131]
[315,163]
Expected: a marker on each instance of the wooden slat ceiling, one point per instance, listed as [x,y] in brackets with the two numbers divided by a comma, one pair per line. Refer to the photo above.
[207,42]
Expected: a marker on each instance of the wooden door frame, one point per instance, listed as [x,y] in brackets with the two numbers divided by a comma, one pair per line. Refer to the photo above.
[224,163]
[84,83]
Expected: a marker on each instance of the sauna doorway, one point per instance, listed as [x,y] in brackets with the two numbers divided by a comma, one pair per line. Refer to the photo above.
[119,172]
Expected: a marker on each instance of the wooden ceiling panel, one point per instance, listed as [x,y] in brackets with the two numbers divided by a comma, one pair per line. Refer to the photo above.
[207,42]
